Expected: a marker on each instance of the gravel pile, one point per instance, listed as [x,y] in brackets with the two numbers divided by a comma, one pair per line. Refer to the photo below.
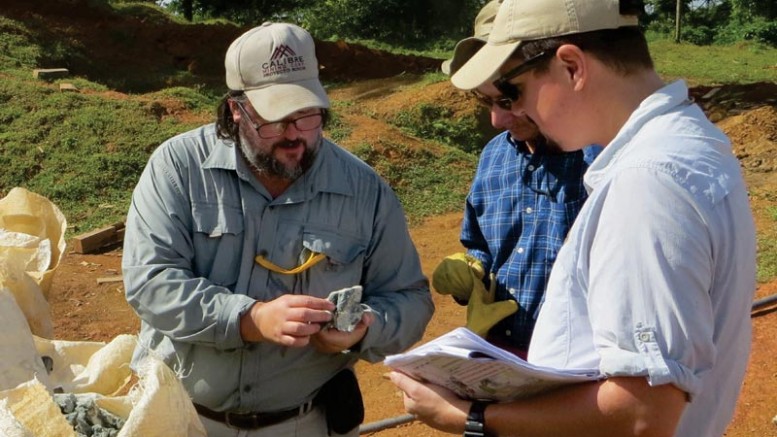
[86,418]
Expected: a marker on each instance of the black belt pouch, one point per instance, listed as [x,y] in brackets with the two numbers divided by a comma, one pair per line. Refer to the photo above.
[342,401]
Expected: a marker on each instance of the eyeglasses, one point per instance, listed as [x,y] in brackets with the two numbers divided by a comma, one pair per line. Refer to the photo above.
[502,102]
[277,128]
[510,90]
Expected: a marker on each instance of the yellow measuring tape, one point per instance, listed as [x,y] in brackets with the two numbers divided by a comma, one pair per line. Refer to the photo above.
[312,260]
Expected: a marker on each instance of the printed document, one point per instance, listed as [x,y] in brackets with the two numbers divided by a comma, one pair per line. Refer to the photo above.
[475,369]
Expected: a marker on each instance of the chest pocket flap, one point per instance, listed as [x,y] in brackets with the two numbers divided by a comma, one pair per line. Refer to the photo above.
[338,247]
[217,220]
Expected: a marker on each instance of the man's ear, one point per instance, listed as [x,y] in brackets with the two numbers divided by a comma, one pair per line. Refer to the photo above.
[234,110]
[575,64]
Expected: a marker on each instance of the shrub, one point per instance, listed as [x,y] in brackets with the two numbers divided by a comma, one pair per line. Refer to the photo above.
[434,122]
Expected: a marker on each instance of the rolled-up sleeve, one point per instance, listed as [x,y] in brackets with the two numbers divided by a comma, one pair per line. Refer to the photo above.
[159,262]
[395,287]
[652,266]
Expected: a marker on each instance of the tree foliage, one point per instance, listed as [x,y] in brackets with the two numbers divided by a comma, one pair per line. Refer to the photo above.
[244,12]
[426,23]
[716,21]
[393,21]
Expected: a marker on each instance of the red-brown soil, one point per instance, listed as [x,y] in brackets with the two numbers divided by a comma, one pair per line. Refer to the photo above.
[85,310]
[376,86]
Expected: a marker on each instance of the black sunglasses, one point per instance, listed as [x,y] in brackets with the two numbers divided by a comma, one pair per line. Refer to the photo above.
[510,90]
[488,102]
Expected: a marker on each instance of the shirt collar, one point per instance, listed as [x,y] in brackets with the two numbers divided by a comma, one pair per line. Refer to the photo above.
[222,155]
[660,102]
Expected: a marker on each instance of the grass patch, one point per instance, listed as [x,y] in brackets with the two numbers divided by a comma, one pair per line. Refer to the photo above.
[16,47]
[744,62]
[767,243]
[84,152]
[766,269]
[436,123]
[427,184]
[336,129]
[439,49]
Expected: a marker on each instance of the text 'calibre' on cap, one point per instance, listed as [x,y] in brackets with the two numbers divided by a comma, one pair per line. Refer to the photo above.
[275,65]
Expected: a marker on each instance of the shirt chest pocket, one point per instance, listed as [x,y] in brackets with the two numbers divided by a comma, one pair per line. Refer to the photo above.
[343,265]
[218,243]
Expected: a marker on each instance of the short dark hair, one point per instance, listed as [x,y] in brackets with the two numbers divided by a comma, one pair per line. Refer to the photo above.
[226,129]
[624,49]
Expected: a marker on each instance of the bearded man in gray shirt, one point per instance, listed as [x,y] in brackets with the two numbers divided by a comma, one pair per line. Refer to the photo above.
[238,233]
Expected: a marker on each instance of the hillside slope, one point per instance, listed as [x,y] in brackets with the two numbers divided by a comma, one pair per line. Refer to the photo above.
[139,49]
[142,51]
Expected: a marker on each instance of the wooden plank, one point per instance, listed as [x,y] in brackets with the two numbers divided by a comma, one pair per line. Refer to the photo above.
[109,279]
[99,238]
[50,73]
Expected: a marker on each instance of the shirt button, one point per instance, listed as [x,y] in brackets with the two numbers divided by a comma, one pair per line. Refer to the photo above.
[530,167]
[519,250]
[508,332]
[644,336]
[529,210]
[247,388]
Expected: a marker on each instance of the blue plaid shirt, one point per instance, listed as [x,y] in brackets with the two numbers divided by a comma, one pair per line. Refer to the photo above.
[518,212]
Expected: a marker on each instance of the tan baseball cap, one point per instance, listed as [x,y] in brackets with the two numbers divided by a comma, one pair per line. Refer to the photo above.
[526,20]
[467,47]
[275,64]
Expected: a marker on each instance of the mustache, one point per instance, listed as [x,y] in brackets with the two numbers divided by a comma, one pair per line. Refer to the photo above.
[290,144]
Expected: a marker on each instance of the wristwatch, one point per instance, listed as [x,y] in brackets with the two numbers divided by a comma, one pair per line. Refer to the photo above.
[475,426]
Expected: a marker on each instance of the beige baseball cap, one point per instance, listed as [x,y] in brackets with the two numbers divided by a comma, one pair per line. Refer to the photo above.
[275,64]
[467,47]
[526,20]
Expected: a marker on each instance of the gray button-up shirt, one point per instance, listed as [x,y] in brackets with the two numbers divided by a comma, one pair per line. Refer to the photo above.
[198,219]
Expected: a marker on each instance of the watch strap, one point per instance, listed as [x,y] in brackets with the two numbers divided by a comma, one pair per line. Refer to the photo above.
[475,426]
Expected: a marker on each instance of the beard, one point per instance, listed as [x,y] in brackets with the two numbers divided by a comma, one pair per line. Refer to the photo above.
[265,163]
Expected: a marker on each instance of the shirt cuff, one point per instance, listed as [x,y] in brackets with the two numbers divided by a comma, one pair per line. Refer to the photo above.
[228,324]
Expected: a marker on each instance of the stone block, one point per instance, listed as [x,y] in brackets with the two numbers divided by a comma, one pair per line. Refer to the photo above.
[67,87]
[50,73]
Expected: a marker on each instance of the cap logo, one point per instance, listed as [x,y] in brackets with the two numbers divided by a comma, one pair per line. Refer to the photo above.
[283,60]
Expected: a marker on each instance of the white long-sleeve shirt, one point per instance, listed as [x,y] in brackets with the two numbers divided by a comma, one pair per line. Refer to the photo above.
[657,276]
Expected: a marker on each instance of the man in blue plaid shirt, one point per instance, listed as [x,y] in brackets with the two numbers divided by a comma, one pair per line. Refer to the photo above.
[523,200]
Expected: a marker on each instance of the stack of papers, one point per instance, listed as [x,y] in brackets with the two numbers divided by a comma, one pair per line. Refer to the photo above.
[475,369]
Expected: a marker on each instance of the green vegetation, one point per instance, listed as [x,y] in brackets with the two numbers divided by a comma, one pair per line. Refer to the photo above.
[83,151]
[743,62]
[336,129]
[427,184]
[767,237]
[434,122]
[86,150]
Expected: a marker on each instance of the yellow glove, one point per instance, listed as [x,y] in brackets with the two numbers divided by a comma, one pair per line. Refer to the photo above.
[457,274]
[482,312]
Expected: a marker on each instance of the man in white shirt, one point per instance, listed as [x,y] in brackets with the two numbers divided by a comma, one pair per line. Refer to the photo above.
[654,284]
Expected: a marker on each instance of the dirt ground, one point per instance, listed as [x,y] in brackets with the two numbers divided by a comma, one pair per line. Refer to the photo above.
[373,86]
[83,309]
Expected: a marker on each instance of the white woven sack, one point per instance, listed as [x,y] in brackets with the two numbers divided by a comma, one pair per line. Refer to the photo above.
[30,213]
[32,407]
[19,361]
[9,426]
[15,268]
[161,405]
[89,366]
